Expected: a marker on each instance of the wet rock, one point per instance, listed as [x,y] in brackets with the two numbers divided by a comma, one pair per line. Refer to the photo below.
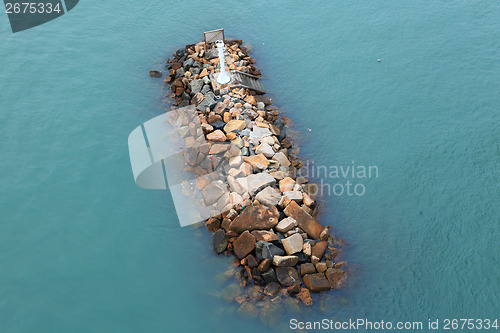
[235,126]
[244,244]
[319,249]
[268,196]
[264,265]
[294,289]
[287,276]
[155,74]
[269,276]
[256,182]
[219,241]
[270,314]
[255,218]
[266,250]
[248,310]
[321,267]
[257,161]
[304,220]
[266,236]
[213,224]
[252,261]
[285,261]
[272,289]
[335,277]
[305,296]
[316,282]
[286,224]
[307,268]
[217,135]
[293,244]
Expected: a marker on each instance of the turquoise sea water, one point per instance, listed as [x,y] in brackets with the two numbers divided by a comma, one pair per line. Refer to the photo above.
[82,249]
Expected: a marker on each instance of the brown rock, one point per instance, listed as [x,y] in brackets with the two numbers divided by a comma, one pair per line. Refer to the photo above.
[248,310]
[305,296]
[203,73]
[231,136]
[255,218]
[287,184]
[244,244]
[264,265]
[316,282]
[198,98]
[319,249]
[252,261]
[219,107]
[218,148]
[304,220]
[216,135]
[235,125]
[213,225]
[335,277]
[288,276]
[176,65]
[251,100]
[272,289]
[321,267]
[266,236]
[307,268]
[257,161]
[294,289]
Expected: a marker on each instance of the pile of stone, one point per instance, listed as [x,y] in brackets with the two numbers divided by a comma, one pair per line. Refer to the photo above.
[268,216]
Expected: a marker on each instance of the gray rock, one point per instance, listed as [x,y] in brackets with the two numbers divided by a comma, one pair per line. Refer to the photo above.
[205,89]
[286,224]
[266,149]
[207,102]
[282,159]
[293,244]
[212,192]
[269,276]
[219,241]
[194,71]
[180,72]
[195,86]
[266,250]
[258,133]
[188,63]
[256,182]
[285,261]
[260,105]
[293,195]
[268,196]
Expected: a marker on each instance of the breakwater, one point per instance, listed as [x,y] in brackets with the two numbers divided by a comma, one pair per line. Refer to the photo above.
[263,211]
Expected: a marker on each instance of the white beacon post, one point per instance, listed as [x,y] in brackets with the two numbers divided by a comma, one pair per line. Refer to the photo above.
[222,78]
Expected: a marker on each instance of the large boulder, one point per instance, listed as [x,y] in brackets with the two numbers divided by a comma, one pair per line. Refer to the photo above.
[316,282]
[255,218]
[244,244]
[304,220]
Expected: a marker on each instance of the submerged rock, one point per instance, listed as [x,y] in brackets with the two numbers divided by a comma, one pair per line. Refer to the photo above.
[316,282]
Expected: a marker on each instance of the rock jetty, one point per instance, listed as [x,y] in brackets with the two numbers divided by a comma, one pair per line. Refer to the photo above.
[269,225]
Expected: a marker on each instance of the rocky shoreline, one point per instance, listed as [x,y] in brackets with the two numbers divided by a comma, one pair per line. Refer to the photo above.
[268,220]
